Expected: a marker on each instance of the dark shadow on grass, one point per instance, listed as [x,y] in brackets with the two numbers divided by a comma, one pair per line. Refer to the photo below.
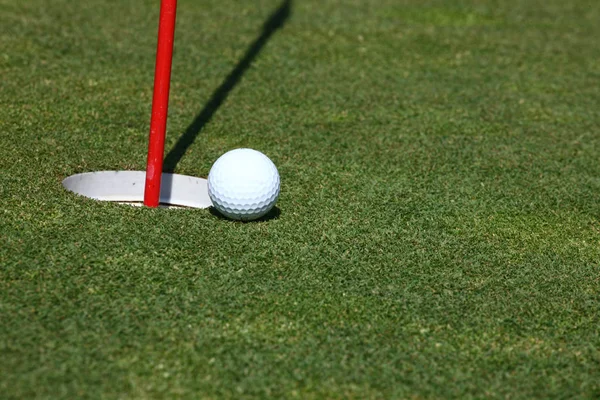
[275,22]
[273,214]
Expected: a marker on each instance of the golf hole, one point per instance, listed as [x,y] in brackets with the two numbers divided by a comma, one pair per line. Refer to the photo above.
[127,187]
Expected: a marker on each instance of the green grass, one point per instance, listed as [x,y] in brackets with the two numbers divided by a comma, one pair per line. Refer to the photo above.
[438,234]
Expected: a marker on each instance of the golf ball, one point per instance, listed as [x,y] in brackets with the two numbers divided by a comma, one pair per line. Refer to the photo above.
[243,184]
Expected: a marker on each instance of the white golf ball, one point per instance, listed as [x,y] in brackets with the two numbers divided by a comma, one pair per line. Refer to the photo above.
[243,184]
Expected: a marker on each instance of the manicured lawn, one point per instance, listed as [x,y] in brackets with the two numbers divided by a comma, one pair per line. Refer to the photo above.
[438,231]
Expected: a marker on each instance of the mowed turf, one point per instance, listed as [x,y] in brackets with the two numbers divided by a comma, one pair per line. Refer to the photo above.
[437,233]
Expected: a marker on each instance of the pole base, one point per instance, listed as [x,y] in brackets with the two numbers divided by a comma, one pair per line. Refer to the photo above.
[128,187]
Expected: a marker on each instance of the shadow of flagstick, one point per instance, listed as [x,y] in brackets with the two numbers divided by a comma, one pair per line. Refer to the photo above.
[275,22]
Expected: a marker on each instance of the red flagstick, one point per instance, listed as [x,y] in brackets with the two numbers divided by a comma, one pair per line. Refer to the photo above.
[160,102]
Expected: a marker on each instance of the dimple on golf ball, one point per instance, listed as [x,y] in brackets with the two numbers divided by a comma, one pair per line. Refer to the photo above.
[243,184]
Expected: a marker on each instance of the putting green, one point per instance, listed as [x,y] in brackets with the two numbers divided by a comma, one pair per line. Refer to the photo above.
[436,235]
